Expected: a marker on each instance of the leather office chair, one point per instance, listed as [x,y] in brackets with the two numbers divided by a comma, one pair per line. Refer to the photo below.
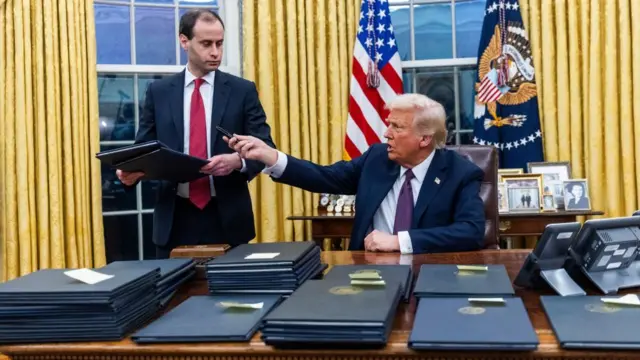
[486,157]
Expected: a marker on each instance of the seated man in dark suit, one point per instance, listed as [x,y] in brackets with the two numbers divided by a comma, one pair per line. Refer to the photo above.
[412,195]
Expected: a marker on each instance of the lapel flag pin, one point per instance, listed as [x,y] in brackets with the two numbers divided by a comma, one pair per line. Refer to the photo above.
[437,181]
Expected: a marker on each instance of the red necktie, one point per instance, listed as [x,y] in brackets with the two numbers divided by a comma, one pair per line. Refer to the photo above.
[199,190]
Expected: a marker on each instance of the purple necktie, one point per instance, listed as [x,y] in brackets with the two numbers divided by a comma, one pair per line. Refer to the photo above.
[404,210]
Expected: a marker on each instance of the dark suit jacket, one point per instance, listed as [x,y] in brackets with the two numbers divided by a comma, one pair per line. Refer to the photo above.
[448,216]
[236,107]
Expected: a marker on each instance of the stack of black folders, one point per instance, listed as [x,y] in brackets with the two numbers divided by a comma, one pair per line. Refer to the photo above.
[334,313]
[173,273]
[469,307]
[374,274]
[266,268]
[58,305]
[595,322]
[156,160]
[213,318]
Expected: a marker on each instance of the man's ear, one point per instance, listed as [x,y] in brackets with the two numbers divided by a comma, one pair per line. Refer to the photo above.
[426,140]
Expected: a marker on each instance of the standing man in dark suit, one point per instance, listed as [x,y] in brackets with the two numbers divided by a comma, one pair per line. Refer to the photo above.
[412,195]
[182,111]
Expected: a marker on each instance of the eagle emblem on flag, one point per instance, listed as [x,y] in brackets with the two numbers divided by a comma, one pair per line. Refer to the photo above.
[511,61]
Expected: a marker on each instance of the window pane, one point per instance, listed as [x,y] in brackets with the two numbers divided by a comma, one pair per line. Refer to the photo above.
[155,36]
[469,18]
[433,31]
[148,247]
[199,2]
[401,29]
[467,81]
[114,195]
[149,189]
[143,83]
[113,35]
[407,81]
[121,237]
[437,83]
[116,107]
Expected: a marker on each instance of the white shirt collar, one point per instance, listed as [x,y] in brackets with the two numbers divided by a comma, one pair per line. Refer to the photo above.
[189,77]
[420,170]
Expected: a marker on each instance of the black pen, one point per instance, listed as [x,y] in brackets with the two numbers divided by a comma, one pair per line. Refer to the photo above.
[224,132]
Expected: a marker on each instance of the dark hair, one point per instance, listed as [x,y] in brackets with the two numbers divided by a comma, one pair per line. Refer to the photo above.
[189,19]
[570,186]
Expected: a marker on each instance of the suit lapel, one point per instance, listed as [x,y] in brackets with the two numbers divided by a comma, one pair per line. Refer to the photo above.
[433,181]
[220,96]
[177,107]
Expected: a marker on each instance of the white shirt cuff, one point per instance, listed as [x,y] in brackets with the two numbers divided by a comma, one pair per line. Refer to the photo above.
[277,169]
[406,259]
[405,242]
[244,166]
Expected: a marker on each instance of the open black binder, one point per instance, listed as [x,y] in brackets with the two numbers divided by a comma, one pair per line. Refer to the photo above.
[156,160]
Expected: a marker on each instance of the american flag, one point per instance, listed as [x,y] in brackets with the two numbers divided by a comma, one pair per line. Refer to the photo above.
[489,90]
[376,78]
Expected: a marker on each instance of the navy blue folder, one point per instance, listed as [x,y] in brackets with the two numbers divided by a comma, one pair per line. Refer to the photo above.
[398,273]
[447,323]
[585,322]
[288,255]
[202,319]
[447,280]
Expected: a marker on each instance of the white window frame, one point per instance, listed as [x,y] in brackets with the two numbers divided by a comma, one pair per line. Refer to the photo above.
[230,11]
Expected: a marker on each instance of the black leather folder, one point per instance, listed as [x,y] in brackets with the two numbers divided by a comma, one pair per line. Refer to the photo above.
[458,324]
[448,280]
[253,256]
[401,274]
[585,322]
[203,319]
[156,160]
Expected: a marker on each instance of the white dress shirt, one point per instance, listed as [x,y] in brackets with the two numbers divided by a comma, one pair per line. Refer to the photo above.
[385,217]
[206,91]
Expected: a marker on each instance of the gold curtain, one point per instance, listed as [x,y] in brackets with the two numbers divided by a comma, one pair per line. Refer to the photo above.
[587,56]
[299,54]
[51,201]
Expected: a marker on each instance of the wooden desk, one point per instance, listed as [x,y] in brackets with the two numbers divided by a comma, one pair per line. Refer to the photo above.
[338,226]
[396,348]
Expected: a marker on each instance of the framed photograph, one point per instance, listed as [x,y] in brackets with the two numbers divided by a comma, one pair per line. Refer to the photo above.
[576,195]
[553,176]
[524,192]
[548,203]
[502,172]
[503,198]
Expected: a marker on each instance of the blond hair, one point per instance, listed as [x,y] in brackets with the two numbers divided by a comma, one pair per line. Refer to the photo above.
[429,116]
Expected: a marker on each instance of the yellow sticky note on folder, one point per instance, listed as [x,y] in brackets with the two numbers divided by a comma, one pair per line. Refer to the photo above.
[478,268]
[365,275]
[629,300]
[238,305]
[368,282]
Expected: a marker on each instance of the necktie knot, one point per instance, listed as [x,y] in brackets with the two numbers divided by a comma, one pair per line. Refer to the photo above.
[198,83]
[408,175]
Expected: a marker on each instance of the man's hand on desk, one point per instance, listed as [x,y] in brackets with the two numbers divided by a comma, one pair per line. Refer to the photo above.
[128,178]
[222,165]
[380,241]
[252,148]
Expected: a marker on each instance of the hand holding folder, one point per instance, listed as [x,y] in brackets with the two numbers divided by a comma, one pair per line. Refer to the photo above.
[156,161]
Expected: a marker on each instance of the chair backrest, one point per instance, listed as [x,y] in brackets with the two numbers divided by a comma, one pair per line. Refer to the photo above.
[486,157]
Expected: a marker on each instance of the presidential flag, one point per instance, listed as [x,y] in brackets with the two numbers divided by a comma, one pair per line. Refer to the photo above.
[506,109]
[375,80]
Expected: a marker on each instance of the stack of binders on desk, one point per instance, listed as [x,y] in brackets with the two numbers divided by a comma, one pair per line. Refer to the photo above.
[226,318]
[372,274]
[269,268]
[52,306]
[173,273]
[327,313]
